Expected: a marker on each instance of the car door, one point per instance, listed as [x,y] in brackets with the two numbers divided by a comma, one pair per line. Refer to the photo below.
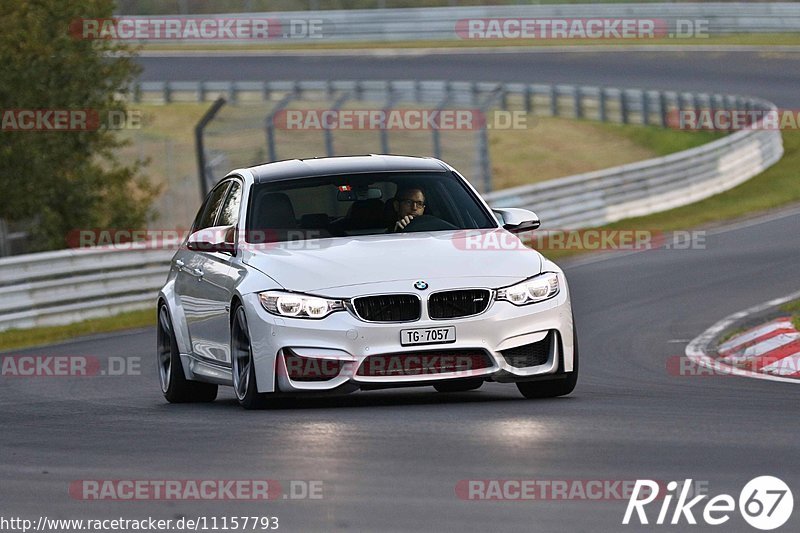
[202,286]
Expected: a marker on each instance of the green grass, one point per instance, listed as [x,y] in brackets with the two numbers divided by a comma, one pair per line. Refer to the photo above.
[662,141]
[13,339]
[776,187]
[755,39]
[791,307]
[794,308]
[730,334]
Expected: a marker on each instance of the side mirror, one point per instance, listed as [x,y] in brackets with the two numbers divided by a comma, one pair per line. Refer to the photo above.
[213,239]
[517,220]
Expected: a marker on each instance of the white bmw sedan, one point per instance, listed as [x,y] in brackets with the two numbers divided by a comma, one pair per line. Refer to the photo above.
[339,274]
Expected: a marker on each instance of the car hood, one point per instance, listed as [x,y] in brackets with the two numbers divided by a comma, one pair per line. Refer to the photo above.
[451,258]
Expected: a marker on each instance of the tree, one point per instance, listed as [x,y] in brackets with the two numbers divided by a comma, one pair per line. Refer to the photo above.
[65,180]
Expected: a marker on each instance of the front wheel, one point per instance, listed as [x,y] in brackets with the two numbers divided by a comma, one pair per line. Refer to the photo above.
[174,385]
[242,365]
[560,386]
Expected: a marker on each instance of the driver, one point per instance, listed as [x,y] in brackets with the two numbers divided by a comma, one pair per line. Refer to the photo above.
[408,203]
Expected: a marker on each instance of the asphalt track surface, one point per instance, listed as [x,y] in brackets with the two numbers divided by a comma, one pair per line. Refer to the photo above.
[770,75]
[390,460]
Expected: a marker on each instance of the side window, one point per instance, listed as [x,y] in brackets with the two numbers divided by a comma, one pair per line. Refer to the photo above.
[211,207]
[229,215]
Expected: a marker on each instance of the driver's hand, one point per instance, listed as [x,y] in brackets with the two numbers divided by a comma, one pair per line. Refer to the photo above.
[403,222]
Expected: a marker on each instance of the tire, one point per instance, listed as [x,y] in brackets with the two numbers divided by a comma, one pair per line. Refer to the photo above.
[174,385]
[242,366]
[552,388]
[461,385]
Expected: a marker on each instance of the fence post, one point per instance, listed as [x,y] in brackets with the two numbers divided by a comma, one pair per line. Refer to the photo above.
[387,107]
[328,132]
[603,104]
[435,135]
[623,106]
[663,108]
[646,108]
[199,144]
[3,238]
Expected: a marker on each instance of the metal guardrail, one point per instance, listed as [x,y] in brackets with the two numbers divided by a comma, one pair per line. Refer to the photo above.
[609,195]
[70,285]
[440,23]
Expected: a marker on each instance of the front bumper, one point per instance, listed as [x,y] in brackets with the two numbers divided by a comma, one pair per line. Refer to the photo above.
[346,342]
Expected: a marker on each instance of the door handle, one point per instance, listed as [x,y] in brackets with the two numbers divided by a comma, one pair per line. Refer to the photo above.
[179,263]
[198,272]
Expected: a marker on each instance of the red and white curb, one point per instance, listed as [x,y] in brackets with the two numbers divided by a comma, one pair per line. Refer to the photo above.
[770,351]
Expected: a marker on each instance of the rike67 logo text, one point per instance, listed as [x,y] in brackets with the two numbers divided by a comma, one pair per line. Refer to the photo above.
[765,503]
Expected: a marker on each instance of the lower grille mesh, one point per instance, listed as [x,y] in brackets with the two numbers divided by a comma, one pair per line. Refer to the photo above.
[424,363]
[533,354]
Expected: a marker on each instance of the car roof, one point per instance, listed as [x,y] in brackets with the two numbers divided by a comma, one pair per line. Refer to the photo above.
[327,166]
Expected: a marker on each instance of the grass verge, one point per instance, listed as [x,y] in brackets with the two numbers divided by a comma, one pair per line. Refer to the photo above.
[755,39]
[13,339]
[776,187]
[794,309]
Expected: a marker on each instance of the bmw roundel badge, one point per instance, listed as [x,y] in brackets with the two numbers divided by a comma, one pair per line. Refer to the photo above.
[421,285]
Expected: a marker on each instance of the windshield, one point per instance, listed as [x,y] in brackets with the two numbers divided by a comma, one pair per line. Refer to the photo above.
[362,204]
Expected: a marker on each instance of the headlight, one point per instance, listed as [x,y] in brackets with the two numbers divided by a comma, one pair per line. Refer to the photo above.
[536,289]
[298,305]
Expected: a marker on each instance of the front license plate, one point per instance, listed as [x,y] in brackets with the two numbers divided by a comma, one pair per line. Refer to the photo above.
[409,337]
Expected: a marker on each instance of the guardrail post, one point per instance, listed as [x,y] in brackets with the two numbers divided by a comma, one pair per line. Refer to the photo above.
[266,93]
[527,100]
[201,91]
[167,93]
[199,130]
[553,101]
[578,103]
